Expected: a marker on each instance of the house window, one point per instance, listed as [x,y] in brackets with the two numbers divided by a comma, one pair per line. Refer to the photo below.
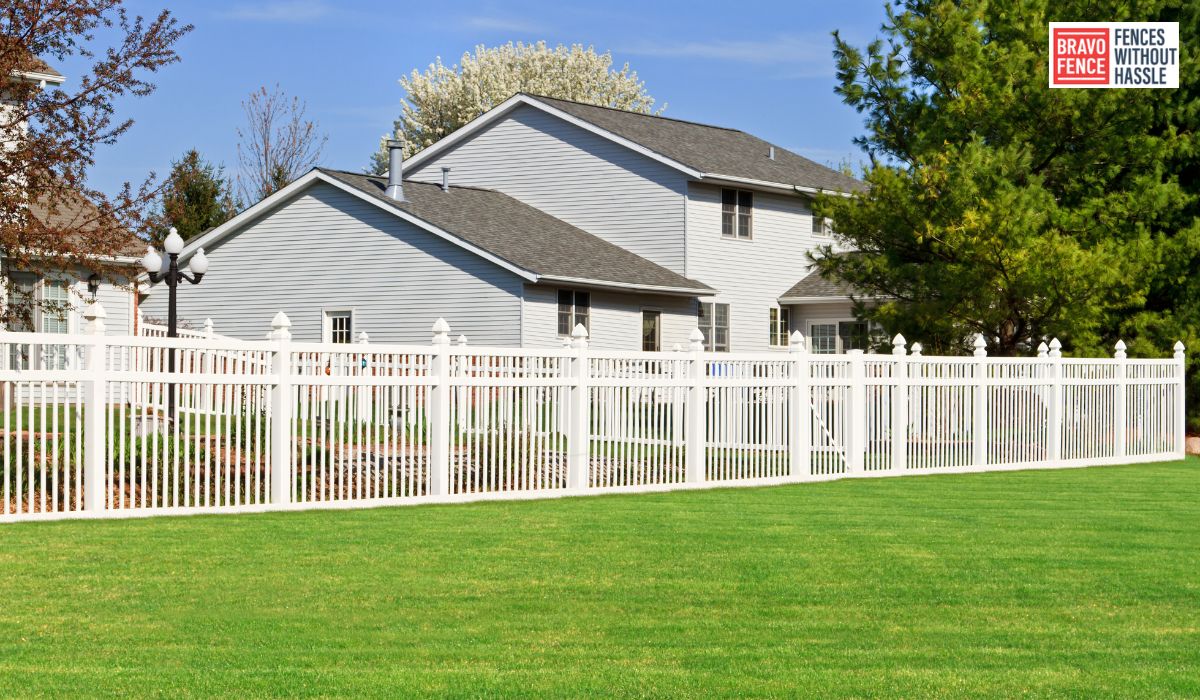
[651,331]
[821,226]
[713,321]
[780,326]
[339,326]
[736,208]
[574,308]
[49,305]
[838,336]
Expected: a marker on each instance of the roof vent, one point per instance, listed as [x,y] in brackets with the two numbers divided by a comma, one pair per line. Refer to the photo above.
[771,153]
[445,179]
[395,188]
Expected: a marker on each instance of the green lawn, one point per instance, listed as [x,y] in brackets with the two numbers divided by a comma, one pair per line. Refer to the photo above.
[1081,583]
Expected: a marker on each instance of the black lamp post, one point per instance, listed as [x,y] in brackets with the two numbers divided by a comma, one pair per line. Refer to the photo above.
[93,284]
[153,263]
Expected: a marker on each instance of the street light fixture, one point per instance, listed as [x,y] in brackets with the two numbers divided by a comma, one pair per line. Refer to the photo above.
[153,263]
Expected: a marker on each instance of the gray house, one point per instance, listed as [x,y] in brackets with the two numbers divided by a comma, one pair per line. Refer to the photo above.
[538,215]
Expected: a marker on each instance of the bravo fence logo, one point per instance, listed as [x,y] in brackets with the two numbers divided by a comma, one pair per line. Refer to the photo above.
[1114,54]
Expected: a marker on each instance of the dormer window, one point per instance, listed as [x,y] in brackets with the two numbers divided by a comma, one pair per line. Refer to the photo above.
[736,209]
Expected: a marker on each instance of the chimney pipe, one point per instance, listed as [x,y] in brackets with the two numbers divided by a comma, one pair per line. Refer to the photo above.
[395,188]
[771,155]
[445,179]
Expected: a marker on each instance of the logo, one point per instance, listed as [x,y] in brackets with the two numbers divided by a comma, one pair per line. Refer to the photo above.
[1114,54]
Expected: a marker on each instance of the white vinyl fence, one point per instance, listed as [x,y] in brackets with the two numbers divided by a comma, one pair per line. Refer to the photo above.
[277,424]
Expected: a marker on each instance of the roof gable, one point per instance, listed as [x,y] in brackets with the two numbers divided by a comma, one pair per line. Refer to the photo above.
[510,233]
[699,150]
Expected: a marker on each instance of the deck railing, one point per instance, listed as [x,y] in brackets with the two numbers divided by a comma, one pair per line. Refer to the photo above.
[277,424]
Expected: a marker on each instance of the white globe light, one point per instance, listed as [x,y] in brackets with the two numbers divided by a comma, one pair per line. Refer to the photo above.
[152,261]
[199,263]
[174,244]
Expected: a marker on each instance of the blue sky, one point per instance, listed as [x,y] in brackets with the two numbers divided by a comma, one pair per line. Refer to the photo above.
[763,67]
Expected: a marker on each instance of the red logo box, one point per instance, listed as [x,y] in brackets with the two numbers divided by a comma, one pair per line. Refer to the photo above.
[1079,56]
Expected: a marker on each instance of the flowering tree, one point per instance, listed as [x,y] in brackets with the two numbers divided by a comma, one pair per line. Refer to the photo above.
[50,220]
[442,98]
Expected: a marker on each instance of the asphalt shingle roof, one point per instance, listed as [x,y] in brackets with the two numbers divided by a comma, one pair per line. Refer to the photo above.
[522,235]
[814,286]
[712,150]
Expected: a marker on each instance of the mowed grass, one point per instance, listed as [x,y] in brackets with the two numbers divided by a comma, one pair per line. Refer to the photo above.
[1082,583]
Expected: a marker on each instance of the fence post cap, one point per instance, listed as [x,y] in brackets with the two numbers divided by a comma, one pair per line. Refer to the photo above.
[1179,348]
[1055,348]
[280,327]
[696,340]
[440,326]
[1120,350]
[898,344]
[566,341]
[796,342]
[580,336]
[462,340]
[916,349]
[1041,349]
[95,314]
[980,345]
[95,310]
[363,338]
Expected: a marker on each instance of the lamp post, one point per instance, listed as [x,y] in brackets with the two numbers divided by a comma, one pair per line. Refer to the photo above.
[153,263]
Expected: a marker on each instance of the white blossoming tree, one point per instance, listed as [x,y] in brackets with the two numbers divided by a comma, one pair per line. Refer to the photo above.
[443,98]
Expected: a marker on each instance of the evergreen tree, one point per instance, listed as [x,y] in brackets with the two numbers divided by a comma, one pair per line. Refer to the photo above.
[196,197]
[997,205]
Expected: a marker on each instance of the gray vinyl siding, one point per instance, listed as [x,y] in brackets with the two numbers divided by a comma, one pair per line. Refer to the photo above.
[749,274]
[118,307]
[327,249]
[588,181]
[616,318]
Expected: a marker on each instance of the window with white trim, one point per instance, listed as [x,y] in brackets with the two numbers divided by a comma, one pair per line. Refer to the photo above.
[574,308]
[737,208]
[821,226]
[838,336]
[339,326]
[713,321]
[780,319]
[48,302]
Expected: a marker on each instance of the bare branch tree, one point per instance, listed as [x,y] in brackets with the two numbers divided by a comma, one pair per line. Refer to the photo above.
[277,145]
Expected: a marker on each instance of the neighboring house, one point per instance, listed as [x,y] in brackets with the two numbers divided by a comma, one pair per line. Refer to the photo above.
[539,214]
[57,301]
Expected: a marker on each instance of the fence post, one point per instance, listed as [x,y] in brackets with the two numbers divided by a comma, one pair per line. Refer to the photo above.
[1054,407]
[579,414]
[438,418]
[899,404]
[696,434]
[1120,430]
[856,428]
[208,328]
[95,408]
[1180,402]
[281,412]
[979,417]
[800,411]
